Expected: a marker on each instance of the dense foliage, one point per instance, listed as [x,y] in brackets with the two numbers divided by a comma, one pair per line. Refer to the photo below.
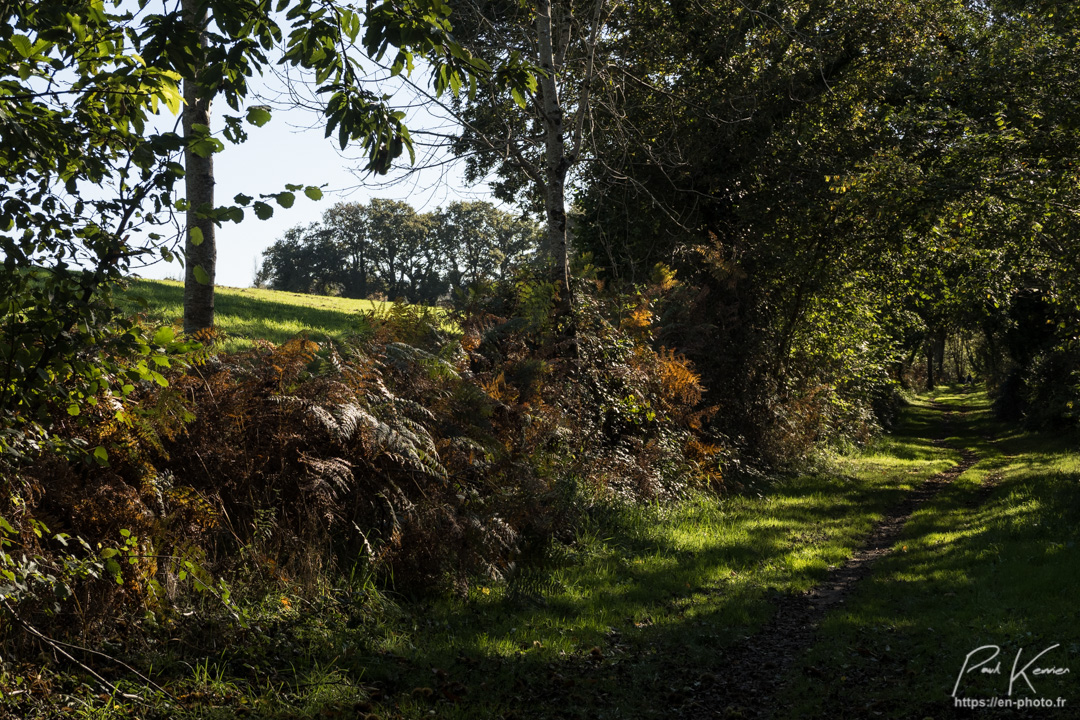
[440,459]
[810,165]
[784,213]
[388,249]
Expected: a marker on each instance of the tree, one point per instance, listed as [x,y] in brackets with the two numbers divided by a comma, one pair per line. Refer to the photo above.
[482,243]
[534,141]
[305,260]
[347,224]
[403,255]
[388,247]
[200,242]
[89,188]
[84,192]
[730,155]
[215,45]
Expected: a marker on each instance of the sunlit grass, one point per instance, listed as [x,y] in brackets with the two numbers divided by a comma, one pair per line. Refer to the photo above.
[976,567]
[247,314]
[628,618]
[651,593]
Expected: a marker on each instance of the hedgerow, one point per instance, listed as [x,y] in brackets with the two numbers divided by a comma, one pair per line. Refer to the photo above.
[429,458]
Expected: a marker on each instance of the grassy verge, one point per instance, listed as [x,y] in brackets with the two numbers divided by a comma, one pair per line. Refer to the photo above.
[624,622]
[992,561]
[244,315]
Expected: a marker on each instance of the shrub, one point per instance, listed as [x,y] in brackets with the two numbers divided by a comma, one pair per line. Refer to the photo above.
[430,454]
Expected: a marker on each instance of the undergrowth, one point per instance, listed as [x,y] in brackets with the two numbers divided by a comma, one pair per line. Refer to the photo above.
[427,459]
[623,617]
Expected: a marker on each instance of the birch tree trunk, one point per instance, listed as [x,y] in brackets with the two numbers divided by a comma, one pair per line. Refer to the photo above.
[200,246]
[556,162]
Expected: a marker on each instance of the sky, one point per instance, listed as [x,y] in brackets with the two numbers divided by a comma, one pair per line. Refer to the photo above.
[291,149]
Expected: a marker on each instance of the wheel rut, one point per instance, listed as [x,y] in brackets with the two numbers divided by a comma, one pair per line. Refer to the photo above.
[751,672]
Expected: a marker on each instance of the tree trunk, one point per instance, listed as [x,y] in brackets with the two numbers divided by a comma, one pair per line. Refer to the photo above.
[942,335]
[556,162]
[958,357]
[201,257]
[929,364]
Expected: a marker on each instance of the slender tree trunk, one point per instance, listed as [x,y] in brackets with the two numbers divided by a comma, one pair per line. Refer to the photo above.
[556,162]
[363,277]
[201,257]
[930,365]
[942,335]
[958,357]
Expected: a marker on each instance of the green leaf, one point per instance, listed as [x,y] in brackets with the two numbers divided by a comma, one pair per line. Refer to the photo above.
[258,115]
[22,45]
[170,93]
[164,336]
[313,192]
[285,199]
[196,236]
[113,568]
[518,97]
[73,409]
[206,146]
[262,210]
[101,455]
[242,199]
[201,276]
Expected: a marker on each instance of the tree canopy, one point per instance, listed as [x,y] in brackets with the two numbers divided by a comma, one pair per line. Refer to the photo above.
[846,192]
[387,248]
[90,184]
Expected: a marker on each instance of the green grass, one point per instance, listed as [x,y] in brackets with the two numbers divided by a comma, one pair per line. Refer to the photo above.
[656,591]
[244,315]
[997,566]
[621,623]
[627,620]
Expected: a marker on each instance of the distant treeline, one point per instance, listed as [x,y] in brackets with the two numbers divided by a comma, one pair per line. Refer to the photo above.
[387,248]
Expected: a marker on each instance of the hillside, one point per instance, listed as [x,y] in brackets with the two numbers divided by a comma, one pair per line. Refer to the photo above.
[246,314]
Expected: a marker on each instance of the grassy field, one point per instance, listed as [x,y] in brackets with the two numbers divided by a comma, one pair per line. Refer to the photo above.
[249,313]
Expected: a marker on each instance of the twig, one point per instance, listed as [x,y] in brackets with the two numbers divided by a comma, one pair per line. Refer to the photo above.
[59,645]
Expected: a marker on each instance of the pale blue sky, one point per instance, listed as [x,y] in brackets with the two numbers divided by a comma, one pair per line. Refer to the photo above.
[291,149]
[280,153]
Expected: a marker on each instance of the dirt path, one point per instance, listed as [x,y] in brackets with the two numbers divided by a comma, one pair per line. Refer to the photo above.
[753,669]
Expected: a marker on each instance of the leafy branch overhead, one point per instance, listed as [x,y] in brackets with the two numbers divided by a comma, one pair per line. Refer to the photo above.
[89,187]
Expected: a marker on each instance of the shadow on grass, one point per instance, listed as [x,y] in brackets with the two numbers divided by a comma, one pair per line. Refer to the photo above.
[992,564]
[247,317]
[641,610]
[967,574]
